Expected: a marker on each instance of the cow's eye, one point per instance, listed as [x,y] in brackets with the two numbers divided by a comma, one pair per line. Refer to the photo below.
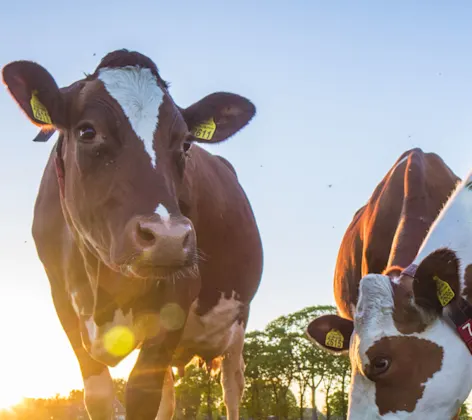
[380,365]
[87,132]
[186,146]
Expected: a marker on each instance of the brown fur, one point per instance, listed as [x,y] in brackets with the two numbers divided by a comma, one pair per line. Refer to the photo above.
[84,238]
[388,230]
[417,360]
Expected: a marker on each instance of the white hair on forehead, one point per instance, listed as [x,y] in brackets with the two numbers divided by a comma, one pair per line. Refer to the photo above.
[137,92]
[375,299]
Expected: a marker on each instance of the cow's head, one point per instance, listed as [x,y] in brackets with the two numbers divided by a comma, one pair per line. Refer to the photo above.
[409,338]
[124,147]
[407,359]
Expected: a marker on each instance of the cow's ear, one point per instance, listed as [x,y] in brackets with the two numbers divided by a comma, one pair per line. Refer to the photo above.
[436,283]
[331,332]
[218,116]
[36,92]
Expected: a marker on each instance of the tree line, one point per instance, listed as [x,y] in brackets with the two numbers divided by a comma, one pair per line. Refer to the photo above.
[284,375]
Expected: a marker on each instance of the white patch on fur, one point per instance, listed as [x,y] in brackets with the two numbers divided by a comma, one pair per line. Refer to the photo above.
[163,213]
[96,334]
[453,228]
[139,95]
[216,329]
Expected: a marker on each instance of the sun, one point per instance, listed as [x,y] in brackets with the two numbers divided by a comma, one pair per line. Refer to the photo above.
[8,400]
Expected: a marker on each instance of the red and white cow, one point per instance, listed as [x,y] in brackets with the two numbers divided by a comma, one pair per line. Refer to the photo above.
[404,291]
[148,240]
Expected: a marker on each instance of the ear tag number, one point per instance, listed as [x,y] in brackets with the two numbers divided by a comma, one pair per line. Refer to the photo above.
[334,339]
[39,110]
[443,291]
[205,130]
[467,328]
[465,331]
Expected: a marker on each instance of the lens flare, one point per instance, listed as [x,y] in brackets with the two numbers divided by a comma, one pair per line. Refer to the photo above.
[172,316]
[119,340]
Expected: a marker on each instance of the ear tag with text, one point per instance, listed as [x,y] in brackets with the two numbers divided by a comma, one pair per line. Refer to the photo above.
[443,290]
[334,339]
[205,130]
[39,110]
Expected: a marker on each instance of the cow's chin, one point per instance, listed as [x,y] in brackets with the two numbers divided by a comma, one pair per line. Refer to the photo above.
[160,272]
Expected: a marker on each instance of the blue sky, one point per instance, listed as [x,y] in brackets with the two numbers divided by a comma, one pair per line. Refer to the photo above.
[341,90]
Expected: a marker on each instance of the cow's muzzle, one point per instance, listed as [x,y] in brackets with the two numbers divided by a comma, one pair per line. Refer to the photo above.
[161,247]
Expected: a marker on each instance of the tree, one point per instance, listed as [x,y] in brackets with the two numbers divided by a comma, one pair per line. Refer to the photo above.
[257,398]
[311,363]
[198,395]
[188,394]
[464,415]
[338,404]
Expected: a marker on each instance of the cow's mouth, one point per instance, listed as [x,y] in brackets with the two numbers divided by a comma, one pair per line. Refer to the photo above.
[154,272]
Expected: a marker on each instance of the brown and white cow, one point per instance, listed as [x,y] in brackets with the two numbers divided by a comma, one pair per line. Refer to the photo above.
[148,240]
[401,273]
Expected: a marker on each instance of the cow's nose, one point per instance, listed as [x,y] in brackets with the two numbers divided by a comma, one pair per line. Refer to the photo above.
[170,243]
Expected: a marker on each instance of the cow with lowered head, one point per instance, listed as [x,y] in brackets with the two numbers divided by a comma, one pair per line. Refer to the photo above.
[403,289]
[148,240]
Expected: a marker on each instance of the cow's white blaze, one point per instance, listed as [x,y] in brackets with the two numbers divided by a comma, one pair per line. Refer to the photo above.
[451,384]
[139,95]
[163,213]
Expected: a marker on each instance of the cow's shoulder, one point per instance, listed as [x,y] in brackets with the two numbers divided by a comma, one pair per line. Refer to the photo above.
[227,163]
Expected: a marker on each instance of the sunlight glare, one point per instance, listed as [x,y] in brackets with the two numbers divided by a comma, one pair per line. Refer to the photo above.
[119,341]
[9,399]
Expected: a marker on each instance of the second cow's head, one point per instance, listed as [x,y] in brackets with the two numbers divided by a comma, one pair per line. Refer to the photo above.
[411,332]
[407,359]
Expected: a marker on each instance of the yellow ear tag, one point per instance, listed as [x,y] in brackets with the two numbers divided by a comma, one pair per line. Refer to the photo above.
[205,130]
[334,339]
[444,291]
[39,110]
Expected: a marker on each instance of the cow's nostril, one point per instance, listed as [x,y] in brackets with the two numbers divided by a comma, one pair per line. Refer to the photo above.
[146,235]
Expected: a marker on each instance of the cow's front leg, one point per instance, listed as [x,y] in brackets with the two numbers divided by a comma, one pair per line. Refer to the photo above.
[145,384]
[99,395]
[167,407]
[232,374]
[98,385]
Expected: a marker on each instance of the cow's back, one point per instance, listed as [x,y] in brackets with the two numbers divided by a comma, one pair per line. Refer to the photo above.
[389,229]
